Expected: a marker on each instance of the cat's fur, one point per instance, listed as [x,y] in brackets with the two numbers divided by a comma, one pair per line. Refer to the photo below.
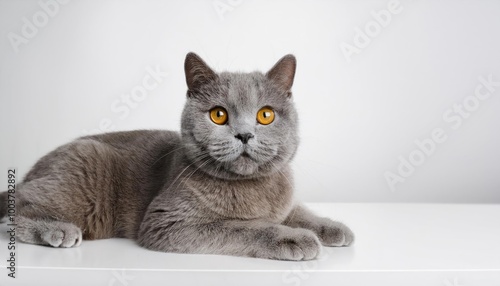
[200,191]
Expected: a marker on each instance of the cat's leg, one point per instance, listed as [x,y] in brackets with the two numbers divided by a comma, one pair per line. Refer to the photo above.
[38,219]
[47,232]
[330,233]
[239,238]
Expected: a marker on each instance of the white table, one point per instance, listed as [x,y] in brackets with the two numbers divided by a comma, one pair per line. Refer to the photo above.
[397,244]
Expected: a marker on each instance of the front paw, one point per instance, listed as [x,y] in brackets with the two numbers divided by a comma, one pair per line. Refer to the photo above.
[293,244]
[334,233]
[61,234]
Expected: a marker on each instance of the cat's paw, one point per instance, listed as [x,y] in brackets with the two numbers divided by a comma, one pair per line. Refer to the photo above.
[294,244]
[334,233]
[62,234]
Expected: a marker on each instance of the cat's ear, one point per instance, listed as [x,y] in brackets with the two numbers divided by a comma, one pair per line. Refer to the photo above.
[197,72]
[283,72]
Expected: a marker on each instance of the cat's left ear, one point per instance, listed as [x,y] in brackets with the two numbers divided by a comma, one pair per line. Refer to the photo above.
[283,72]
[197,72]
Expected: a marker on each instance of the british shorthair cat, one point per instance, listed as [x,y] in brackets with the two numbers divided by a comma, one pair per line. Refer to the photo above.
[223,185]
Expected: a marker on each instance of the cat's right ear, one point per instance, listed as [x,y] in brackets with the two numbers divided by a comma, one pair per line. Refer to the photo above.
[197,72]
[283,72]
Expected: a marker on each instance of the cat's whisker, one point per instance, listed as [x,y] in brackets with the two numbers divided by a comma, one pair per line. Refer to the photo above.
[184,170]
[195,170]
[183,145]
[165,155]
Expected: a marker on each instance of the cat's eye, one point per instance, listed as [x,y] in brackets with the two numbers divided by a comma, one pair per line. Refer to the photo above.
[218,115]
[265,115]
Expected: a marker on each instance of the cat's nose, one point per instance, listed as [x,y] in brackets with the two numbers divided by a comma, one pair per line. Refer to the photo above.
[244,137]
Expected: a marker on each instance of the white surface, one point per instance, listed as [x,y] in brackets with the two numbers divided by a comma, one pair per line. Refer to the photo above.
[397,244]
[356,118]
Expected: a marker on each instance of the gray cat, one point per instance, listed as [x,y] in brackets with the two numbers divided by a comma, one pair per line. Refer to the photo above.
[221,186]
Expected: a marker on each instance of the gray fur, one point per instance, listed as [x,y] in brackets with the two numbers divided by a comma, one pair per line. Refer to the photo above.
[200,191]
[3,205]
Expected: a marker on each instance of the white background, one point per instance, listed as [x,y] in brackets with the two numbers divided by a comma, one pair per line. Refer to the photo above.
[358,114]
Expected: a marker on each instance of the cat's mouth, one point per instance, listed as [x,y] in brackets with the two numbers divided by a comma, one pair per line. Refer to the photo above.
[245,155]
[244,164]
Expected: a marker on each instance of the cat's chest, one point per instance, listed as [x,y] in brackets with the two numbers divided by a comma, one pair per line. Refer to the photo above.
[267,198]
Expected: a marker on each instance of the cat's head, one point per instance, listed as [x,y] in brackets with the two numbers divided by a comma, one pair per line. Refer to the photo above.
[239,125]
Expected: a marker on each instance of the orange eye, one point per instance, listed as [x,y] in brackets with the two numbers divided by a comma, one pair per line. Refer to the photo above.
[265,115]
[218,115]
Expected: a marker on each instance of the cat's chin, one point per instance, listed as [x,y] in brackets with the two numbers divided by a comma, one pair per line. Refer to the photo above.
[244,166]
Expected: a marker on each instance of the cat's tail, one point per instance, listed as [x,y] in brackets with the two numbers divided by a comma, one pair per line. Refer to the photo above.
[3,205]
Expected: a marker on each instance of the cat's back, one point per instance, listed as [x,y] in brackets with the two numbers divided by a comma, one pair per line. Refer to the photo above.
[132,146]
[137,139]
